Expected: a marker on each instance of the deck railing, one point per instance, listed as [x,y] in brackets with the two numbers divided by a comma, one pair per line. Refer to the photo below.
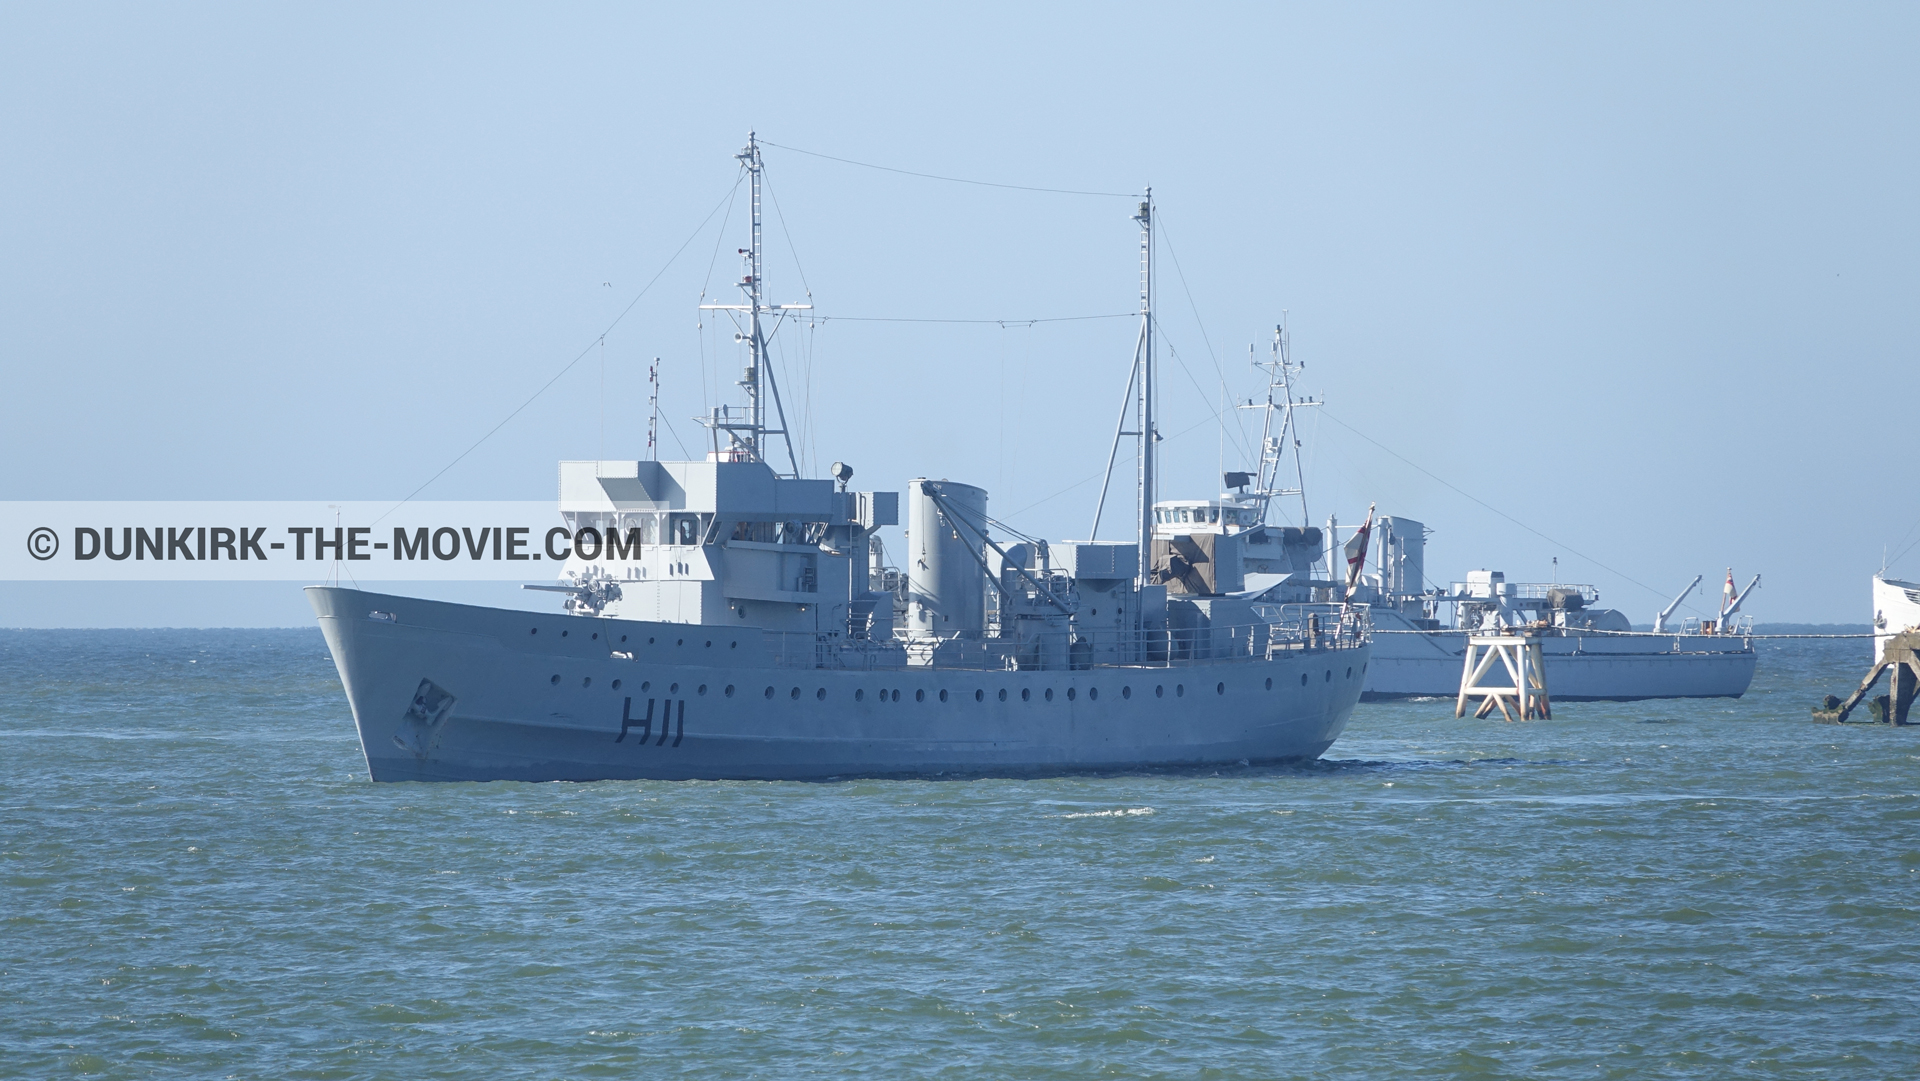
[1282,630]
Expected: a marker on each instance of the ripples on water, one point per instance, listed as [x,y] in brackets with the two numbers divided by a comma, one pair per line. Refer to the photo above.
[199,881]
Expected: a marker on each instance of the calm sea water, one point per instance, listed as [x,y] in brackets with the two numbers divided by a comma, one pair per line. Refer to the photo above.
[199,881]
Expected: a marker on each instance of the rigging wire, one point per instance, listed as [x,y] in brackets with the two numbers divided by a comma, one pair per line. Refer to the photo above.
[1090,478]
[803,351]
[951,179]
[582,355]
[706,399]
[676,437]
[1462,492]
[784,231]
[813,430]
[1897,555]
[1191,378]
[1003,323]
[1160,223]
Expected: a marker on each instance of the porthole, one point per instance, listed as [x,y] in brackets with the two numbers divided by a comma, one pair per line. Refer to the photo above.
[1160,690]
[733,645]
[1179,690]
[535,630]
[1071,694]
[943,696]
[616,684]
[820,694]
[1329,678]
[586,681]
[1026,694]
[1126,692]
[703,689]
[920,696]
[1049,694]
[1349,671]
[623,638]
[860,695]
[729,691]
[709,645]
[1003,694]
[563,634]
[896,696]
[794,694]
[673,688]
[1219,688]
[649,641]
[1303,679]
[555,680]
[769,692]
[1269,683]
[679,641]
[1093,693]
[596,636]
[646,684]
[979,696]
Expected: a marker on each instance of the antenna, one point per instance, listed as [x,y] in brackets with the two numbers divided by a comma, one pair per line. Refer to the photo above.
[653,411]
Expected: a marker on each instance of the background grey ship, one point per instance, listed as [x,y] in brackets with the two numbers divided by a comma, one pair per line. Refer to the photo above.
[728,618]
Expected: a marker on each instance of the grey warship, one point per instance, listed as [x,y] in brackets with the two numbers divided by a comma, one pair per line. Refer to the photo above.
[730,619]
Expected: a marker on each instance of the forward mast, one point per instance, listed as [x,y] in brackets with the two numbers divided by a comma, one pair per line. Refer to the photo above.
[747,428]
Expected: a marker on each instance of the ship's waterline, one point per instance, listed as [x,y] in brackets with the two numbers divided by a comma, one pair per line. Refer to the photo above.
[452,692]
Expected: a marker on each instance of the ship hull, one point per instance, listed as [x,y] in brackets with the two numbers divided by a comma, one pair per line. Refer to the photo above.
[1579,668]
[1896,608]
[448,692]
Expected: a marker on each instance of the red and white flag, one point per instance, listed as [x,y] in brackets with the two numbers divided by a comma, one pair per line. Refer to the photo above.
[1728,594]
[1357,552]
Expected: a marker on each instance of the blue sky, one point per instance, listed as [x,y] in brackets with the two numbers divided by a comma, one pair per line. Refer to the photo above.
[1643,278]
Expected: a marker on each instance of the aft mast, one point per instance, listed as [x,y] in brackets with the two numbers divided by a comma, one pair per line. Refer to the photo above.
[1139,400]
[747,429]
[1145,429]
